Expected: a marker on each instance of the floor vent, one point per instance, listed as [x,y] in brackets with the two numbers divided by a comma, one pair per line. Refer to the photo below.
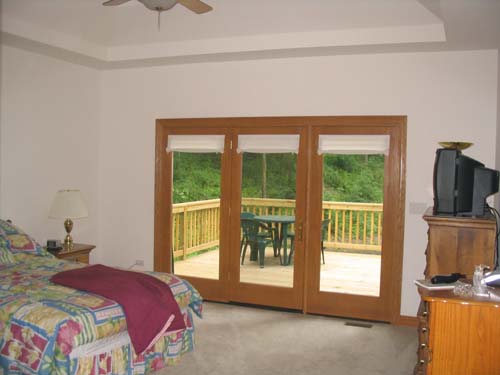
[359,324]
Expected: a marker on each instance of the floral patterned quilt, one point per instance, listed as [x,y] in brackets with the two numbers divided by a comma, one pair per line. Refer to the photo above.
[41,323]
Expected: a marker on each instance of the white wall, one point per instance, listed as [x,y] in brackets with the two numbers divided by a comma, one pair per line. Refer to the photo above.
[447,96]
[49,141]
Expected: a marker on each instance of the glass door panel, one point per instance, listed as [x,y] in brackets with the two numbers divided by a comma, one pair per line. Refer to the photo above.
[268,202]
[351,227]
[355,190]
[269,170]
[196,214]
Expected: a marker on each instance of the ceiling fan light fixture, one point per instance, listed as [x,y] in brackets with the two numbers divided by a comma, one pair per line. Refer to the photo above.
[196,6]
[158,5]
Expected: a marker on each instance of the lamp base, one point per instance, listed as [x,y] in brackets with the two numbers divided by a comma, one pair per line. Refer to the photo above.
[68,240]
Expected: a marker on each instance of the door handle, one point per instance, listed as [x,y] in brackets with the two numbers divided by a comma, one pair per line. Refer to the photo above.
[299,230]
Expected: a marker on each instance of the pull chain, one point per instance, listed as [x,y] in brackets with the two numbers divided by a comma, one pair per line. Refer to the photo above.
[159,18]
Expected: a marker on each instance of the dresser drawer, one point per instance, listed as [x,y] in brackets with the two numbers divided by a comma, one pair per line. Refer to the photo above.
[80,258]
[78,253]
[423,311]
[423,354]
[420,367]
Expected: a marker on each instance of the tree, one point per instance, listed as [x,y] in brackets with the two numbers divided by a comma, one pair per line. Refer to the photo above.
[196,177]
[346,178]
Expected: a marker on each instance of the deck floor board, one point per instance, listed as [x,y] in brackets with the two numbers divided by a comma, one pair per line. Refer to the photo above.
[342,272]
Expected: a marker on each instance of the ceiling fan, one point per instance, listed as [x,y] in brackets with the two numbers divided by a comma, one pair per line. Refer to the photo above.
[196,6]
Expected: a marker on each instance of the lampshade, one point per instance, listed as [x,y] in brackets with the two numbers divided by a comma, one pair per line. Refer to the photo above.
[68,204]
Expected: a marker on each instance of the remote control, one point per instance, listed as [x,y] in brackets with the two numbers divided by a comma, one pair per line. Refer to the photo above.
[446,279]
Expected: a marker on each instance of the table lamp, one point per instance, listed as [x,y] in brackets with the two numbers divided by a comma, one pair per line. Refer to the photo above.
[68,204]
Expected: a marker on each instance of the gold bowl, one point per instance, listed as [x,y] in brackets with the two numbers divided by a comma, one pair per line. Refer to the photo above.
[456,145]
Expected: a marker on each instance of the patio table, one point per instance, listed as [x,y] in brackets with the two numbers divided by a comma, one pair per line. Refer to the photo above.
[281,222]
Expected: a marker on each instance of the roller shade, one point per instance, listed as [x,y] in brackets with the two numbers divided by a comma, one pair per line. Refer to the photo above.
[195,143]
[353,144]
[268,143]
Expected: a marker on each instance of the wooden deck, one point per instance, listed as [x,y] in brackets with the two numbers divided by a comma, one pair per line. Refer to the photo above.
[342,272]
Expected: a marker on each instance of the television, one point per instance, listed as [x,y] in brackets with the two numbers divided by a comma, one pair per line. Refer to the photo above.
[485,184]
[461,184]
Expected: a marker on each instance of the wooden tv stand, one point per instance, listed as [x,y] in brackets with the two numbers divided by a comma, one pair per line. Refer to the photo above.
[457,244]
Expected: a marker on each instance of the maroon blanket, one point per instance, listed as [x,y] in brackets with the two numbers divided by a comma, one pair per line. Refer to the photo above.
[148,303]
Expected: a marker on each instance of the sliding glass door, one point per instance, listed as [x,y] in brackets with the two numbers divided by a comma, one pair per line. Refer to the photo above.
[268,171]
[352,212]
[303,213]
[196,185]
[355,174]
[195,173]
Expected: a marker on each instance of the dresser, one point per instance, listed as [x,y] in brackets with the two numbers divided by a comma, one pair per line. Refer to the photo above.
[457,244]
[458,335]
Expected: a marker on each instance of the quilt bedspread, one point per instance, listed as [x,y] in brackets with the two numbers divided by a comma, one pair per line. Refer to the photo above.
[41,323]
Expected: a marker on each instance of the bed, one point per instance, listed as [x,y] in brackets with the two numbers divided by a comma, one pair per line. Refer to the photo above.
[51,329]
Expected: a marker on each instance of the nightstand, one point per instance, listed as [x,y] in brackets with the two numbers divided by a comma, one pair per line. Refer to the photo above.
[79,253]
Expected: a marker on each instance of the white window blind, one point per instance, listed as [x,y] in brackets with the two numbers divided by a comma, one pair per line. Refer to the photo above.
[353,144]
[268,143]
[195,143]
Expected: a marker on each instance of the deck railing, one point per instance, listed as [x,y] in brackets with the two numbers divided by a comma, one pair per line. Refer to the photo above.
[352,226]
[195,226]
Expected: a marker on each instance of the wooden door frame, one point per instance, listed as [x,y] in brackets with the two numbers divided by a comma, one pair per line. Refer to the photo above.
[215,290]
[163,194]
[268,295]
[387,306]
[220,290]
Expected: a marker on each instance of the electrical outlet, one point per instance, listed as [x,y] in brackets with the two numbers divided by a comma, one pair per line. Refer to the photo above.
[139,262]
[418,208]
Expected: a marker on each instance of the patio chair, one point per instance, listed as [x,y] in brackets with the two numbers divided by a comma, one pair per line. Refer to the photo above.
[265,230]
[290,235]
[244,235]
[324,230]
[255,238]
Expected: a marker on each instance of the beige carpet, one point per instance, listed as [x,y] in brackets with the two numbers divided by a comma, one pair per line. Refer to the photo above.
[237,340]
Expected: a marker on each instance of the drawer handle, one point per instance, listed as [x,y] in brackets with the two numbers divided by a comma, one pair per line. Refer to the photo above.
[424,313]
[424,330]
[423,346]
[421,362]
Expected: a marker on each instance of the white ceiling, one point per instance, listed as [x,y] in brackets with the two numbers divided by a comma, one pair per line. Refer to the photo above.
[107,37]
[132,23]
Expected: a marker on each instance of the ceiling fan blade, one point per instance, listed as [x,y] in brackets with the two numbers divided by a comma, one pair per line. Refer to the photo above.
[196,6]
[114,2]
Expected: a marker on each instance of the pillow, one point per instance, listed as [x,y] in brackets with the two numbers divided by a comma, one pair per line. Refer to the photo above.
[6,256]
[19,241]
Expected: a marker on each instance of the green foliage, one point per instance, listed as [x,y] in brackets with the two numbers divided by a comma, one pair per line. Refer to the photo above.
[346,178]
[280,176]
[196,176]
[353,178]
